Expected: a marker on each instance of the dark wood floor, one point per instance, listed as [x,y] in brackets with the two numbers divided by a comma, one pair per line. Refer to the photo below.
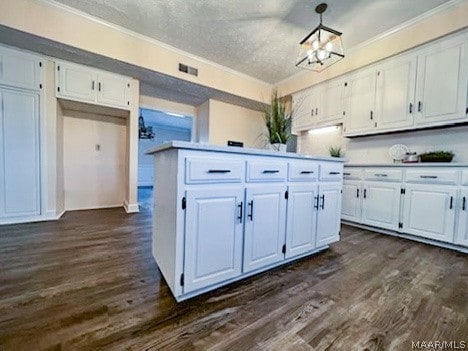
[89,282]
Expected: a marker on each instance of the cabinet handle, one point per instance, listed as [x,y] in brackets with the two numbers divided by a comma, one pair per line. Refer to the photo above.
[357,192]
[451,202]
[316,110]
[419,106]
[365,193]
[372,115]
[428,177]
[316,206]
[410,107]
[323,201]
[270,171]
[219,171]
[346,174]
[312,112]
[240,211]
[381,175]
[334,173]
[307,172]
[250,215]
[99,86]
[92,85]
[464,204]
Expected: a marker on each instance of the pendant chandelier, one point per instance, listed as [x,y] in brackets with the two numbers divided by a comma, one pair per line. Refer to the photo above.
[322,47]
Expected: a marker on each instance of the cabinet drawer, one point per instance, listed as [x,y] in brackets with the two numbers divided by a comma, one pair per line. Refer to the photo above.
[303,171]
[213,170]
[331,171]
[266,171]
[436,176]
[384,174]
[464,177]
[352,174]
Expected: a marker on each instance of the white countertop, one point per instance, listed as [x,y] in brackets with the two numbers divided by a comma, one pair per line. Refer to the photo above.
[236,150]
[418,164]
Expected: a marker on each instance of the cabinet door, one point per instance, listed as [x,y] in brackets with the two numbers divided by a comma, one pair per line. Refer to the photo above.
[304,110]
[331,101]
[462,238]
[381,204]
[442,82]
[213,236]
[396,82]
[328,218]
[301,219]
[430,211]
[19,69]
[19,168]
[360,97]
[76,83]
[351,201]
[265,226]
[113,90]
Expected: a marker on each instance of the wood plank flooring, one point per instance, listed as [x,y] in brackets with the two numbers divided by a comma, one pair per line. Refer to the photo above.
[89,282]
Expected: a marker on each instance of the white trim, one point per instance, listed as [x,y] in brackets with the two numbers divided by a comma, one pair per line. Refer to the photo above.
[28,219]
[93,207]
[415,20]
[151,40]
[60,215]
[131,208]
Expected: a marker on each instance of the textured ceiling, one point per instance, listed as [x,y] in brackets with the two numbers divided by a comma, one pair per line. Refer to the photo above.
[256,37]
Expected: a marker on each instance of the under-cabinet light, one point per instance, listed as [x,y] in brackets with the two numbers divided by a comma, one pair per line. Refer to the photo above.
[323,130]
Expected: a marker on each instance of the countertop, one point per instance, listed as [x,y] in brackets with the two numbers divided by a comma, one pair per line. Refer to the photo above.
[236,150]
[419,164]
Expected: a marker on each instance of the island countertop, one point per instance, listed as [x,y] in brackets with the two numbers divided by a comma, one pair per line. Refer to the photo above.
[409,165]
[236,150]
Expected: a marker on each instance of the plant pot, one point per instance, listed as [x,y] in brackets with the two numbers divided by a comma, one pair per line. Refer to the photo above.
[277,147]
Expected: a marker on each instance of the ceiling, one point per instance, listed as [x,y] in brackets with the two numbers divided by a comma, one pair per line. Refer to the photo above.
[256,37]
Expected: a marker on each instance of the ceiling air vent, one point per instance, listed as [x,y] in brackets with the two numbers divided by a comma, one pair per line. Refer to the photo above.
[189,70]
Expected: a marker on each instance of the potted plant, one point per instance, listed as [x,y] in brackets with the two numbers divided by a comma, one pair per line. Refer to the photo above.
[437,156]
[335,151]
[278,123]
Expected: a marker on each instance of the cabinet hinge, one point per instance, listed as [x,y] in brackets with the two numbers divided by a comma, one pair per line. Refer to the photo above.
[403,191]
[283,250]
[184,203]
[286,195]
[40,86]
[58,89]
[346,84]
[182,279]
[40,64]
[400,225]
[58,68]
[128,103]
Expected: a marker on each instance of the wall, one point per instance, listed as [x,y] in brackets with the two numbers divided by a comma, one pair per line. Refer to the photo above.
[230,122]
[203,123]
[94,178]
[375,148]
[452,17]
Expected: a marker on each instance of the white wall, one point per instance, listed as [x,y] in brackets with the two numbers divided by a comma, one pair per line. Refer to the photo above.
[92,178]
[375,148]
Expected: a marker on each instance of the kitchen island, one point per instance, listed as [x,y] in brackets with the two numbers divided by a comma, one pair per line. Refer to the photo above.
[224,213]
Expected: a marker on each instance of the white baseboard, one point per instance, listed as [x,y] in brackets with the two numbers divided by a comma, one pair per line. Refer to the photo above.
[28,219]
[93,207]
[131,208]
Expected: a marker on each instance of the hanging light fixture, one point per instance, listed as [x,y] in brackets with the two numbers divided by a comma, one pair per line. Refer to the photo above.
[322,47]
[143,131]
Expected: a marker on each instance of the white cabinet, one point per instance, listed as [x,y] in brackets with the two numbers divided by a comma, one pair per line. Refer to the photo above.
[213,236]
[395,91]
[302,219]
[462,238]
[442,81]
[360,95]
[330,107]
[381,204]
[19,154]
[84,84]
[304,109]
[429,211]
[329,204]
[264,225]
[351,201]
[19,69]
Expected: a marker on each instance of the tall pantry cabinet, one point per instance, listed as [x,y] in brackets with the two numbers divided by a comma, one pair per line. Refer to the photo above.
[20,190]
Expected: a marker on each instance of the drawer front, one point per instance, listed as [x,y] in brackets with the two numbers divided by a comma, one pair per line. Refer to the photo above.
[266,171]
[384,174]
[465,177]
[331,171]
[303,171]
[434,176]
[352,173]
[213,170]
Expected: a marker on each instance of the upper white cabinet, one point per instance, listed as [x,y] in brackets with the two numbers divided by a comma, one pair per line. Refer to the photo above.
[304,109]
[84,84]
[19,69]
[330,107]
[442,81]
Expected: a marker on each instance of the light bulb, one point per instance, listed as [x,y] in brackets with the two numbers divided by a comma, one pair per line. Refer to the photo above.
[322,54]
[315,45]
[329,46]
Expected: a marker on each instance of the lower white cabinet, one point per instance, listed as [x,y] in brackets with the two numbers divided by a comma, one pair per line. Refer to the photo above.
[221,216]
[19,154]
[462,237]
[381,204]
[429,211]
[213,236]
[265,223]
